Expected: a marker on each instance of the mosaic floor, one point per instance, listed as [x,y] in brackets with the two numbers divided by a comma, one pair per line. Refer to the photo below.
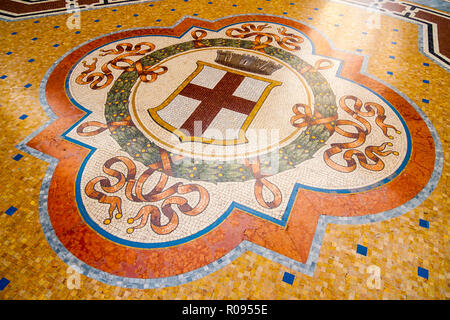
[193,149]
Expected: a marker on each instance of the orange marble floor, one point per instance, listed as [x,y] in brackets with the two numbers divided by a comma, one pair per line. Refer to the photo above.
[195,149]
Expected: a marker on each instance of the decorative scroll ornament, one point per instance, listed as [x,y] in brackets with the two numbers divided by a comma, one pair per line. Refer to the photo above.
[102,127]
[100,80]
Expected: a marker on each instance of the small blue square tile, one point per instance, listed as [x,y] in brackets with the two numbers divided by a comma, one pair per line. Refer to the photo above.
[96,20]
[31,60]
[364,32]
[27,85]
[288,278]
[393,42]
[119,26]
[3,283]
[358,50]
[424,223]
[426,64]
[285,12]
[135,15]
[34,39]
[9,52]
[23,117]
[11,210]
[392,57]
[362,250]
[56,27]
[425,100]
[13,33]
[172,9]
[195,14]
[37,21]
[425,81]
[234,5]
[17,157]
[4,76]
[390,73]
[56,45]
[422,272]
[77,32]
[396,30]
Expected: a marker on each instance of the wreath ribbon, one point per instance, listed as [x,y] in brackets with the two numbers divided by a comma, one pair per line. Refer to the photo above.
[262,182]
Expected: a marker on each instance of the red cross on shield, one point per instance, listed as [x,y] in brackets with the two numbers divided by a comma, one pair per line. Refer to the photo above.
[215,105]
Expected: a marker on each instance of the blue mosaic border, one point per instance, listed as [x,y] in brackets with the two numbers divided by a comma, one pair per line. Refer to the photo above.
[306,268]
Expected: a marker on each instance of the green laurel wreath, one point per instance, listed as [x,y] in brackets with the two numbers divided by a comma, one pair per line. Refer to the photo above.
[139,147]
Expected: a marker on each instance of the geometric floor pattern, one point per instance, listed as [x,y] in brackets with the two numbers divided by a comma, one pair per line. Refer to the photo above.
[190,149]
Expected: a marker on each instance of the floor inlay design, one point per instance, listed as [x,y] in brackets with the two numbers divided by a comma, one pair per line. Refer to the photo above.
[199,142]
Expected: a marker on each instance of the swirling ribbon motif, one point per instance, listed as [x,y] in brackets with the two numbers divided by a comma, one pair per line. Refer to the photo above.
[359,137]
[124,50]
[308,119]
[263,39]
[262,182]
[102,127]
[134,192]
